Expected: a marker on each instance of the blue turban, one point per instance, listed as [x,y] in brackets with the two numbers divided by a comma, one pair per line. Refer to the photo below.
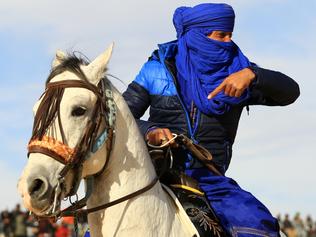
[203,63]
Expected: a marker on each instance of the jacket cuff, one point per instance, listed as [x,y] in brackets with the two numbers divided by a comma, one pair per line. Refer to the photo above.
[255,81]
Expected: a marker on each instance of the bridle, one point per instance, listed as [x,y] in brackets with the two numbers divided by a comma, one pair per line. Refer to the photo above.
[43,141]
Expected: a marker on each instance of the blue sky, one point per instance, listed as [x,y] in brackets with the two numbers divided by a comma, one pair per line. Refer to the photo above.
[273,154]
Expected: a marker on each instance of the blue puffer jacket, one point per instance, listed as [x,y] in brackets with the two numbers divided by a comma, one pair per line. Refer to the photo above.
[156,86]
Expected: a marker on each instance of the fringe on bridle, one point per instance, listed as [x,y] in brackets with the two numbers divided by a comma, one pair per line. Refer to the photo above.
[47,112]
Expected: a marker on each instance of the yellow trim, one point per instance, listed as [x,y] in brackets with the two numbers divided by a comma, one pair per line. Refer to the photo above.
[193,190]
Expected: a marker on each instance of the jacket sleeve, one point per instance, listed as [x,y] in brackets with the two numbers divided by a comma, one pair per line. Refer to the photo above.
[138,99]
[272,88]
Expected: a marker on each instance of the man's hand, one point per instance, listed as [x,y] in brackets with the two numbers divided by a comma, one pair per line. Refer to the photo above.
[235,84]
[160,136]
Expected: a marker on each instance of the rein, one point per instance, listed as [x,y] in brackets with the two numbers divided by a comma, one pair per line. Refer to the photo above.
[198,151]
[83,212]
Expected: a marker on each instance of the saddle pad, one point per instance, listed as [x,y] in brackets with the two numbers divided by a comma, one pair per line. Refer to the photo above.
[196,207]
[183,217]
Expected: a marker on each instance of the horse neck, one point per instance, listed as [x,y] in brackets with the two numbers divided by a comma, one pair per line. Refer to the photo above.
[129,168]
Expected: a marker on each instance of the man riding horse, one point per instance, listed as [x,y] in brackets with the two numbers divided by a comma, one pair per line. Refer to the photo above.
[198,85]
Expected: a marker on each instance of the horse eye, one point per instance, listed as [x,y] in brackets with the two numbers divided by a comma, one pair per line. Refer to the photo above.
[78,111]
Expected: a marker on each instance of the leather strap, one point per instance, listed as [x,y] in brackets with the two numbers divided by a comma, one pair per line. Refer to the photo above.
[73,211]
[200,153]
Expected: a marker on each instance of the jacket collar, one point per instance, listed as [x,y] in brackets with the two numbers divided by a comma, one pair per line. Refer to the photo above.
[168,50]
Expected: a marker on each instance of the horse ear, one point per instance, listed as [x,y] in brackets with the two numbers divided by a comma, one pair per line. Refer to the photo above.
[59,57]
[96,69]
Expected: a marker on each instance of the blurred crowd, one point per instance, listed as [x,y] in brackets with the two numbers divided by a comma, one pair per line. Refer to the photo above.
[17,223]
[297,226]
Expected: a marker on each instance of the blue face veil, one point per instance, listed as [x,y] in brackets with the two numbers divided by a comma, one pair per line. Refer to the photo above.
[203,63]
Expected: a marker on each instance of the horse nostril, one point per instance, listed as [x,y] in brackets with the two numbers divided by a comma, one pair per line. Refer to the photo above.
[40,192]
[37,188]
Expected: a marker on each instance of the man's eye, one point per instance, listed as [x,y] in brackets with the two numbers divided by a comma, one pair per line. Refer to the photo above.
[221,35]
[78,111]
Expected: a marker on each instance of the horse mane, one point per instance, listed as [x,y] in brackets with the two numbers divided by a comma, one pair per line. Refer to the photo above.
[71,63]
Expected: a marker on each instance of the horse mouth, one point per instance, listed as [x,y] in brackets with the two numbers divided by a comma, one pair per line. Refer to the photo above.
[55,202]
[39,205]
[52,207]
[48,205]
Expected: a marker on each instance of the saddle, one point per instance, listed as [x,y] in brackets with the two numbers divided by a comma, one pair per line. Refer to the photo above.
[186,189]
[198,210]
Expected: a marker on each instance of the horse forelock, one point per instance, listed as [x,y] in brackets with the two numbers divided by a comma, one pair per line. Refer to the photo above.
[71,63]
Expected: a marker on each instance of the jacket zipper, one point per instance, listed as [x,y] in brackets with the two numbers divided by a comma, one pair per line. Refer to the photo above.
[191,133]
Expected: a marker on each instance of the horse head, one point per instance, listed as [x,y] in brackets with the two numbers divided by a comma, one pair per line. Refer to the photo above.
[73,124]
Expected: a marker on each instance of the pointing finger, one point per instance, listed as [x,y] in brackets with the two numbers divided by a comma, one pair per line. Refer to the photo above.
[217,90]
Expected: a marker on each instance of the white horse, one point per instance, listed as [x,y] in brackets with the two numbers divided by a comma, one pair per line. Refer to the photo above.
[128,165]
